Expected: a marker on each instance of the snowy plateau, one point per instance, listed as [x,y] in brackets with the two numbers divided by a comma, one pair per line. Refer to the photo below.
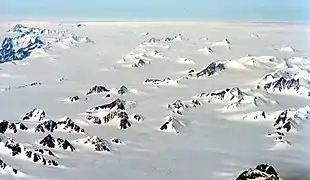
[154,100]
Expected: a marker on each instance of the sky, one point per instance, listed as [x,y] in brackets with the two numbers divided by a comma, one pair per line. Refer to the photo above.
[160,9]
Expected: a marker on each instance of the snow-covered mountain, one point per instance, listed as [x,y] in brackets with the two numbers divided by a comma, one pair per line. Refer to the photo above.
[6,126]
[12,148]
[291,80]
[185,100]
[261,172]
[236,98]
[64,125]
[211,69]
[20,47]
[19,28]
[114,112]
[52,142]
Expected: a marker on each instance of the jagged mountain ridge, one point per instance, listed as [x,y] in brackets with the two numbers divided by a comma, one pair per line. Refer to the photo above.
[261,172]
[116,111]
[10,147]
[20,47]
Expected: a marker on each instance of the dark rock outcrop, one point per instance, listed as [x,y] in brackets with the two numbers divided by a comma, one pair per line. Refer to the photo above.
[235,98]
[172,124]
[140,63]
[98,143]
[159,81]
[283,84]
[283,122]
[138,117]
[122,90]
[31,84]
[45,152]
[73,98]
[178,106]
[4,166]
[35,114]
[19,28]
[94,119]
[46,126]
[14,127]
[119,114]
[211,69]
[50,142]
[70,126]
[64,125]
[10,52]
[261,172]
[19,150]
[97,89]
[116,141]
[153,40]
[117,104]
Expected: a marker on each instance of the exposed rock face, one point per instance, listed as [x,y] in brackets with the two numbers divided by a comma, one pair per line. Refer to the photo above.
[50,142]
[97,89]
[153,40]
[291,80]
[283,84]
[207,50]
[19,150]
[290,119]
[153,81]
[98,143]
[70,126]
[167,39]
[261,172]
[283,122]
[13,127]
[116,111]
[164,81]
[19,48]
[178,106]
[140,63]
[116,141]
[64,125]
[49,126]
[4,166]
[177,37]
[73,98]
[122,90]
[94,119]
[235,98]
[124,124]
[172,124]
[19,28]
[31,84]
[211,69]
[45,152]
[138,117]
[119,114]
[116,104]
[35,115]
[259,115]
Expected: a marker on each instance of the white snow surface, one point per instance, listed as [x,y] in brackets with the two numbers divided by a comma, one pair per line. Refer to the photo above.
[209,141]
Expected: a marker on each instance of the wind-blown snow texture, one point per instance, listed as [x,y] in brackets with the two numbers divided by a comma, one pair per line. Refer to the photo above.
[154,100]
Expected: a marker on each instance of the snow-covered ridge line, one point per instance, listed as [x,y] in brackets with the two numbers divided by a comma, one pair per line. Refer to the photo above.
[114,112]
[293,77]
[30,40]
[12,148]
[19,28]
[261,172]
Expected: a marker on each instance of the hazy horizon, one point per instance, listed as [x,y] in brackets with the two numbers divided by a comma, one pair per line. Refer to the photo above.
[266,10]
